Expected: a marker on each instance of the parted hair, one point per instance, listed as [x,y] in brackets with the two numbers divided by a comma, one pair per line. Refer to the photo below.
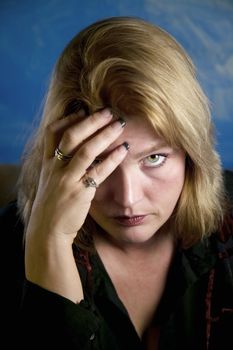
[137,68]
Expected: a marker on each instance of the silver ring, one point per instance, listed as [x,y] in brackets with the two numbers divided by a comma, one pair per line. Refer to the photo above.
[89,182]
[61,156]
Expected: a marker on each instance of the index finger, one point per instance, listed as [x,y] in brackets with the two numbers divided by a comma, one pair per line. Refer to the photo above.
[74,135]
[55,130]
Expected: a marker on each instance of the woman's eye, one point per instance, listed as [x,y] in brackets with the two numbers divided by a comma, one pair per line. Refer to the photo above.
[155,160]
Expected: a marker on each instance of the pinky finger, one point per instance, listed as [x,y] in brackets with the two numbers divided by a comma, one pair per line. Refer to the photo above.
[101,171]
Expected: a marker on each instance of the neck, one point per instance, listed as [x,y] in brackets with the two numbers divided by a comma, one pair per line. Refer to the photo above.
[161,243]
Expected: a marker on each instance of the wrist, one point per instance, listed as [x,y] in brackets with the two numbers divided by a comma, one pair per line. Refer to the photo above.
[51,265]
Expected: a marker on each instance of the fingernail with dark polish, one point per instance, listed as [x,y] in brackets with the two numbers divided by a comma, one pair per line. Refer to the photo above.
[121,121]
[126,145]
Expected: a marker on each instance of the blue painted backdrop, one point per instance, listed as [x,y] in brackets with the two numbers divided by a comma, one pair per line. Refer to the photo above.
[33,33]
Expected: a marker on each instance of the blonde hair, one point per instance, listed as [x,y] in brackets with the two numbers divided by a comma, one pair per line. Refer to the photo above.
[137,68]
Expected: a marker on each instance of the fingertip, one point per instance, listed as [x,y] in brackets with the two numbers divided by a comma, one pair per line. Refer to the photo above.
[125,145]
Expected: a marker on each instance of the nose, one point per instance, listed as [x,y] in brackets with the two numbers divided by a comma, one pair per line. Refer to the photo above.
[128,187]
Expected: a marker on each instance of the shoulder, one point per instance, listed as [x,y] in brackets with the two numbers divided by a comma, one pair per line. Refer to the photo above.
[228,181]
[225,231]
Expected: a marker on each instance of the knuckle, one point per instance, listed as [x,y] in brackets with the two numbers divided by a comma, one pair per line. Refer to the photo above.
[85,153]
[102,115]
[108,133]
[50,128]
[96,171]
[69,136]
[115,158]
[96,117]
[112,162]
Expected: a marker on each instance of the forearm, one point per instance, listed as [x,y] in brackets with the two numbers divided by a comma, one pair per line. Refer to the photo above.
[50,264]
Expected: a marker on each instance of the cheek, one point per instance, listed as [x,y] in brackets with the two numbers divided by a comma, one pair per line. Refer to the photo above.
[168,184]
[175,173]
[175,177]
[102,193]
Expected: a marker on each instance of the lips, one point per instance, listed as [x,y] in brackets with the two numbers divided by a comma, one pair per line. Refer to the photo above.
[130,220]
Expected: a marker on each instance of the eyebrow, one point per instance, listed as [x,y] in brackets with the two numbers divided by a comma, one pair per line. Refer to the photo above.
[152,149]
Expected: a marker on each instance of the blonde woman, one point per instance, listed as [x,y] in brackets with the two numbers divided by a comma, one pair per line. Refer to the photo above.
[125,232]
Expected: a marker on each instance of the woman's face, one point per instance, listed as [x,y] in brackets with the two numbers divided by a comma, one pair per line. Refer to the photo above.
[135,201]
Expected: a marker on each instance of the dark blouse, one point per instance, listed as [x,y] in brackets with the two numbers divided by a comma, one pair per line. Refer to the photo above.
[196,311]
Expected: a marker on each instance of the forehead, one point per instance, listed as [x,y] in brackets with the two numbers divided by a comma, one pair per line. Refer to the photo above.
[140,135]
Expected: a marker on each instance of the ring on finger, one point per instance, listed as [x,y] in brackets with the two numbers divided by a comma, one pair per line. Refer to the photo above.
[61,156]
[89,181]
